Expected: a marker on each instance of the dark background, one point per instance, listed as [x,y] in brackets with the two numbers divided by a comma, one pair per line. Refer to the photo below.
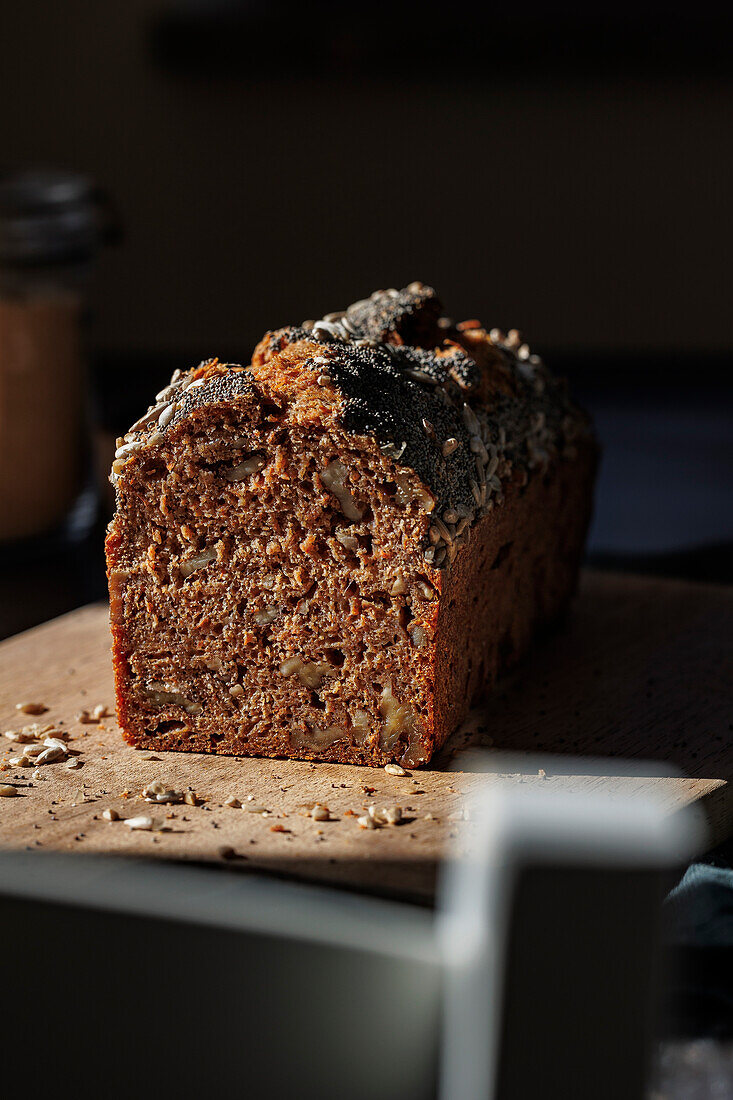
[567,173]
[565,169]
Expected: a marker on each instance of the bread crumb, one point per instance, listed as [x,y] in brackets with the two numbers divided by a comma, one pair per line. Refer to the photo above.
[87,717]
[31,708]
[157,791]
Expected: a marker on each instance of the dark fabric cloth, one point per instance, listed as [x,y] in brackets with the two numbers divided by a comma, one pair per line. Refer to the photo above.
[699,911]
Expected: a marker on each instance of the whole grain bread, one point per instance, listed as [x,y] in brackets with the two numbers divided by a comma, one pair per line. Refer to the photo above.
[331,553]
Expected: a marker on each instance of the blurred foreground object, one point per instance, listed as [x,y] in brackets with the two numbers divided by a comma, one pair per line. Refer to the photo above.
[535,977]
[51,226]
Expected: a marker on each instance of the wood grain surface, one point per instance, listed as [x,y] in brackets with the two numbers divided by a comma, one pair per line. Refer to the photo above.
[640,674]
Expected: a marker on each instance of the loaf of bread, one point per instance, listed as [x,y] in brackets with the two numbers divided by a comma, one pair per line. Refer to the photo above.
[332,553]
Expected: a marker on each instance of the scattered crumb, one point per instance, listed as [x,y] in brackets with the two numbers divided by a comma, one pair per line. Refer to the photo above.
[110,815]
[191,798]
[226,852]
[158,791]
[22,761]
[74,762]
[27,734]
[144,823]
[366,822]
[320,813]
[7,791]
[387,815]
[395,769]
[93,715]
[233,803]
[542,773]
[278,829]
[31,708]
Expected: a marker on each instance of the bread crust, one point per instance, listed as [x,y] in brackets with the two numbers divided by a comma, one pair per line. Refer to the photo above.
[438,559]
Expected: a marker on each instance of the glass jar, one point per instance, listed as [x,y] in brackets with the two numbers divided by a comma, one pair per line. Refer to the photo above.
[51,227]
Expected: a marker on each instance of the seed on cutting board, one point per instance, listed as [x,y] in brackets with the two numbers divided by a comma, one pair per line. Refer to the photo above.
[31,708]
[394,769]
[51,756]
[110,815]
[94,715]
[157,791]
[55,743]
[6,791]
[143,823]
[22,737]
[73,763]
[391,815]
[232,802]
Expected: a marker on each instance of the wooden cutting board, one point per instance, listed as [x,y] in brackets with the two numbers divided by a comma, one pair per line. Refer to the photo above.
[640,671]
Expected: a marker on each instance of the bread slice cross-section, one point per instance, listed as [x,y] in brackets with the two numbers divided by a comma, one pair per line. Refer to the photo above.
[331,553]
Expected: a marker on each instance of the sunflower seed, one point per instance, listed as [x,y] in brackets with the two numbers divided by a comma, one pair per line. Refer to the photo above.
[128,449]
[31,708]
[421,376]
[469,419]
[167,415]
[477,447]
[146,419]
